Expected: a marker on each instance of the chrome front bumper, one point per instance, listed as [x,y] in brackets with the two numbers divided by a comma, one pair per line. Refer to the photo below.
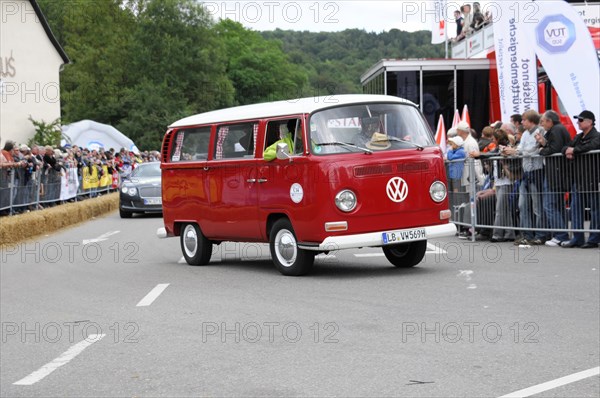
[373,239]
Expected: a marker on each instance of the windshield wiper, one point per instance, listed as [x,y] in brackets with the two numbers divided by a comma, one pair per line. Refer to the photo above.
[389,138]
[347,145]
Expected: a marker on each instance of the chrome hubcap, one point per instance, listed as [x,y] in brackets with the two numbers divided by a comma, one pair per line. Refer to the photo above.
[286,248]
[190,240]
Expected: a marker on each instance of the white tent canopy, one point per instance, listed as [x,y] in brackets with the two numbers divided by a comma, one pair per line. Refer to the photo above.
[94,135]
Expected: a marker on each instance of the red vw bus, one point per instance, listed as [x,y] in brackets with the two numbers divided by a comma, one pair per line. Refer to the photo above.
[354,171]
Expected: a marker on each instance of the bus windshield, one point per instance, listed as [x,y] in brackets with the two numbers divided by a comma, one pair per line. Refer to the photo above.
[368,128]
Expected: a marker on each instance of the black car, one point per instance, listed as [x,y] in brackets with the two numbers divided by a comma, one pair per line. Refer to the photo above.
[141,191]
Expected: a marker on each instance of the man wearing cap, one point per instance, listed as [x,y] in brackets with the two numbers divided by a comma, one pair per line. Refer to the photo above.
[555,171]
[585,180]
[455,153]
[472,150]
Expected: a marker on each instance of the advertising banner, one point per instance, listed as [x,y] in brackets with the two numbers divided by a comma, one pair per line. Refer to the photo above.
[69,184]
[460,50]
[565,48]
[90,177]
[475,44]
[106,178]
[516,62]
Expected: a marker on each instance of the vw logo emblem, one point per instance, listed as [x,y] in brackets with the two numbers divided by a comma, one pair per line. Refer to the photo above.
[397,189]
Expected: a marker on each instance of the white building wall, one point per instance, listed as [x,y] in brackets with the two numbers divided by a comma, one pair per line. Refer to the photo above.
[30,66]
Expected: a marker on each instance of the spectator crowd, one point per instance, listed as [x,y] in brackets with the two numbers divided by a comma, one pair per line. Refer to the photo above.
[470,20]
[43,176]
[528,178]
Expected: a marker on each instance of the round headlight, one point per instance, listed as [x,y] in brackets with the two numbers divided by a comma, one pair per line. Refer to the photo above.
[132,191]
[437,191]
[124,189]
[345,200]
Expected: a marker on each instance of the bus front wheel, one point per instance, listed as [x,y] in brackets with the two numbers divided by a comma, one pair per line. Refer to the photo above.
[196,249]
[405,255]
[289,259]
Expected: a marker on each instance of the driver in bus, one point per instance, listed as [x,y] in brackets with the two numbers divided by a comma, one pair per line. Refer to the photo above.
[369,125]
[270,153]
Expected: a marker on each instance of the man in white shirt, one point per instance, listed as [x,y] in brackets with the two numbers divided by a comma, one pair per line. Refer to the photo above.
[472,150]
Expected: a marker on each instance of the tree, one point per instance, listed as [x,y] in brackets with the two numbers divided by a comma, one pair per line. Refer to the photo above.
[149,113]
[140,65]
[45,133]
[259,70]
[175,43]
[96,36]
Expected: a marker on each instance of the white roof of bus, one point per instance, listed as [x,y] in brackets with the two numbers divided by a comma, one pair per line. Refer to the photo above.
[283,108]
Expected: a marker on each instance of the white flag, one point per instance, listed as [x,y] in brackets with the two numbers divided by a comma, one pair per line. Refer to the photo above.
[438,24]
[566,50]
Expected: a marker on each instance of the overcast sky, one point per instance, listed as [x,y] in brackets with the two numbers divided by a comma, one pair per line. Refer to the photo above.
[330,16]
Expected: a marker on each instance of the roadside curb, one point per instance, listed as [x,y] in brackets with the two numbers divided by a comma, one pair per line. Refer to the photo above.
[18,228]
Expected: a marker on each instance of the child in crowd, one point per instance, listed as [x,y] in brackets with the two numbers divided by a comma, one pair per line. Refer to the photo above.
[455,168]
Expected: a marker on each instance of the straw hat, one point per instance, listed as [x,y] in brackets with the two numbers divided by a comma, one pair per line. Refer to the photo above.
[379,142]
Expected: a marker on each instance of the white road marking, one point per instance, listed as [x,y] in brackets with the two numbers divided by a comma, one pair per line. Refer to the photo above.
[154,293]
[325,256]
[63,359]
[527,392]
[466,274]
[431,249]
[369,255]
[435,249]
[101,238]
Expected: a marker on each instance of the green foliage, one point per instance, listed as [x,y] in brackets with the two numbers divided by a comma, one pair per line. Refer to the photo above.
[140,65]
[149,114]
[259,70]
[336,60]
[45,133]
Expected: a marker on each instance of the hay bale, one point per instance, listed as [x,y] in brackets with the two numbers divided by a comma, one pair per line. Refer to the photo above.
[18,228]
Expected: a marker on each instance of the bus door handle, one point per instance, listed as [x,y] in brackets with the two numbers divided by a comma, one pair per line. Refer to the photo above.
[262,180]
[251,180]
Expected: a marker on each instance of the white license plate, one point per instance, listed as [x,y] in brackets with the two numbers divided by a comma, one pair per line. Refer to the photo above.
[153,201]
[406,235]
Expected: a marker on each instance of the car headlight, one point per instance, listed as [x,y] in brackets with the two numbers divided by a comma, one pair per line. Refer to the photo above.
[132,191]
[345,200]
[437,191]
[124,189]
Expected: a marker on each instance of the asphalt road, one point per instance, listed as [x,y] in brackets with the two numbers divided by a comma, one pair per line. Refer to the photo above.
[473,320]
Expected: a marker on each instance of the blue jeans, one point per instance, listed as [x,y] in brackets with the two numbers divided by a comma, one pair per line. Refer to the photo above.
[555,211]
[578,203]
[531,208]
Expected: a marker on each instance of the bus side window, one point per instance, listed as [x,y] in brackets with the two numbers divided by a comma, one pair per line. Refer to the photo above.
[272,134]
[191,145]
[279,128]
[236,141]
[298,139]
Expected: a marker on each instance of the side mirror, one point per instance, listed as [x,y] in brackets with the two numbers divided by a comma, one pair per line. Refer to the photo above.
[283,151]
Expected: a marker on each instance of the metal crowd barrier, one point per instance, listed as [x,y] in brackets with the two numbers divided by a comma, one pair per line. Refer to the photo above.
[511,195]
[21,191]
